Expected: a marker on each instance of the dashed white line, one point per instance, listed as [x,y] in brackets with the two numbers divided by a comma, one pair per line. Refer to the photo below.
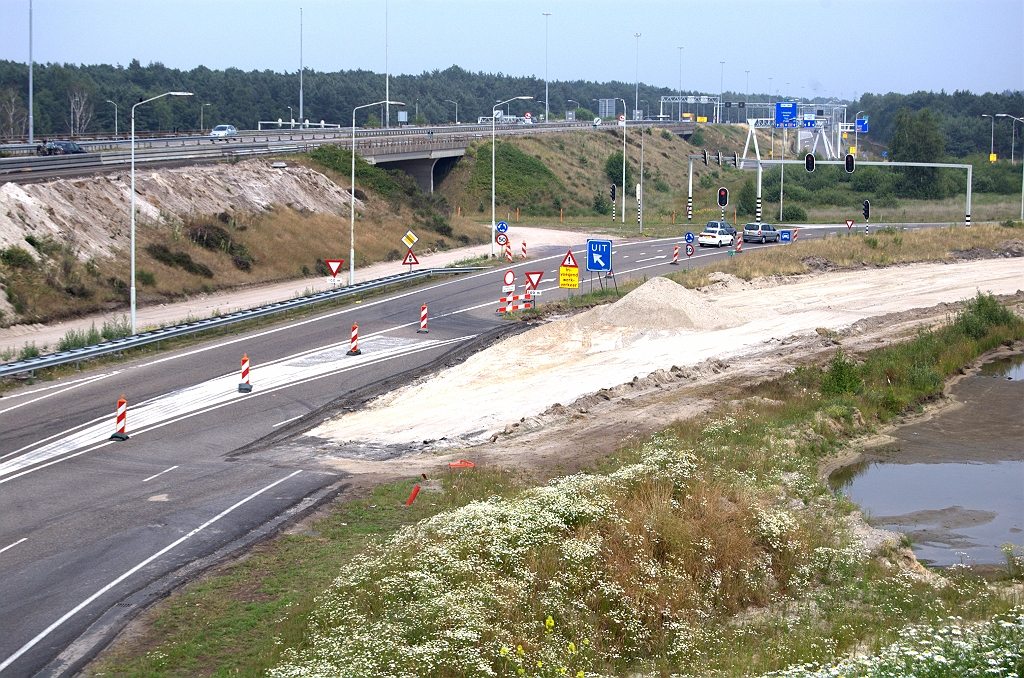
[159,474]
[78,608]
[11,546]
[282,423]
[640,261]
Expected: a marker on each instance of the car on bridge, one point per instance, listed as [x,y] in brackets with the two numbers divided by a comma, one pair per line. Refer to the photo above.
[754,232]
[223,131]
[59,148]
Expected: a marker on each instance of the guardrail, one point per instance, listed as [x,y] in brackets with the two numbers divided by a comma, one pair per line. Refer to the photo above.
[117,345]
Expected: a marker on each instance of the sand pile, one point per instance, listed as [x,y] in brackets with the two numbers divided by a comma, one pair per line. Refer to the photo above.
[660,304]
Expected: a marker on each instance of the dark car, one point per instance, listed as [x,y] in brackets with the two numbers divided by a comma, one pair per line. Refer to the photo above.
[723,224]
[59,148]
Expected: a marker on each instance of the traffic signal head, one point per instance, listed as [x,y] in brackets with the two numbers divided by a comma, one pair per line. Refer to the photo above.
[867,209]
[849,163]
[723,197]
[613,192]
[735,160]
[809,162]
[705,154]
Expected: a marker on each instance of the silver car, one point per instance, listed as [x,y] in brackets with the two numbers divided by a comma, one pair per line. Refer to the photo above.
[762,233]
[223,131]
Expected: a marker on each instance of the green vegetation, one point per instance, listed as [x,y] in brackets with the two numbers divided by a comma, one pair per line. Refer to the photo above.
[709,549]
[112,329]
[613,170]
[521,181]
[182,260]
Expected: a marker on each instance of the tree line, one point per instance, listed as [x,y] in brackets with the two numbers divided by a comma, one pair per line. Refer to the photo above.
[72,100]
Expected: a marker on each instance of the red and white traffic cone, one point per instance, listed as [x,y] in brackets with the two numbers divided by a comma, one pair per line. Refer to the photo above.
[508,253]
[244,386]
[354,350]
[796,234]
[675,255]
[739,245]
[524,249]
[121,423]
[423,320]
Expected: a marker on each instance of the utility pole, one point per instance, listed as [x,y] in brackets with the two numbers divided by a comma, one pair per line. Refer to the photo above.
[636,94]
[300,71]
[387,76]
[31,117]
[680,84]
[547,107]
[721,91]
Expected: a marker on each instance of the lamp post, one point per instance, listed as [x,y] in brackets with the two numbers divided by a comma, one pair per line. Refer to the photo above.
[449,101]
[146,101]
[547,109]
[771,112]
[573,101]
[856,132]
[992,148]
[1013,137]
[493,111]
[291,118]
[202,120]
[352,204]
[680,83]
[624,159]
[646,111]
[721,91]
[636,93]
[115,117]
[746,96]
[1016,120]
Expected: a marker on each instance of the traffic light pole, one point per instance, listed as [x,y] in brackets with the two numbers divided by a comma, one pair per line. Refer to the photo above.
[946,165]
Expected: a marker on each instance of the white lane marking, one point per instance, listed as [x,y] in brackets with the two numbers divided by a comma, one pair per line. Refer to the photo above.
[11,546]
[640,261]
[162,411]
[159,474]
[78,608]
[63,388]
[286,421]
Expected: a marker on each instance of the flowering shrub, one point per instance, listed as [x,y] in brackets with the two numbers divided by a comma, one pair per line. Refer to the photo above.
[587,570]
[955,649]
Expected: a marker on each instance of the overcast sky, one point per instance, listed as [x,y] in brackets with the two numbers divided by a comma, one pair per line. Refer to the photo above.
[823,47]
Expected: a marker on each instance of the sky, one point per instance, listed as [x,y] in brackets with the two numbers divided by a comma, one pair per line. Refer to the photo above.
[834,48]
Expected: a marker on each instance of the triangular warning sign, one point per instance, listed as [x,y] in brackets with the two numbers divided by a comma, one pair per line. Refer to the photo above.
[533,279]
[410,259]
[335,265]
[849,223]
[569,261]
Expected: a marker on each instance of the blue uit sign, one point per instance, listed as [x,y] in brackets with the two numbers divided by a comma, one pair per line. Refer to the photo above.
[599,255]
[785,236]
[785,114]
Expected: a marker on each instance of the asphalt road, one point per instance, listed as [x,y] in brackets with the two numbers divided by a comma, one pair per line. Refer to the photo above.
[92,529]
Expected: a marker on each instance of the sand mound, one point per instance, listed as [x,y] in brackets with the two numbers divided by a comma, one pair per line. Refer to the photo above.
[660,304]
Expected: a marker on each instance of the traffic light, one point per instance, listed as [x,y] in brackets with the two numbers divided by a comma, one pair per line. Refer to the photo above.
[809,162]
[723,197]
[613,192]
[867,209]
[849,163]
[735,160]
[705,154]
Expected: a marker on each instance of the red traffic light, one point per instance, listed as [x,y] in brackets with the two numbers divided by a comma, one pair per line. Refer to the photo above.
[723,197]
[809,162]
[849,163]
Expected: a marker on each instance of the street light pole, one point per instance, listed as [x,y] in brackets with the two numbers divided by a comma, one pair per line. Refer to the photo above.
[132,294]
[115,118]
[300,67]
[493,110]
[1016,120]
[680,83]
[636,94]
[291,118]
[721,92]
[202,120]
[623,160]
[31,117]
[992,148]
[547,109]
[856,133]
[449,101]
[352,203]
[1013,137]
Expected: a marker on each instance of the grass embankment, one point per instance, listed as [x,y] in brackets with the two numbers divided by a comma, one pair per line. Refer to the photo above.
[710,549]
[884,247]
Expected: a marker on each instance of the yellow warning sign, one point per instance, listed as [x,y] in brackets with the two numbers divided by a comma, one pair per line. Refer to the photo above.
[569,277]
[992,157]
[702,118]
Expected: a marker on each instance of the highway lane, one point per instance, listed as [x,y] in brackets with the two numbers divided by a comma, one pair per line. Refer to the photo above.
[77,517]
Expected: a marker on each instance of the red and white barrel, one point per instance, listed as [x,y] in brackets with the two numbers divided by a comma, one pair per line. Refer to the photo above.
[524,249]
[354,350]
[244,386]
[121,421]
[423,320]
[675,255]
[508,253]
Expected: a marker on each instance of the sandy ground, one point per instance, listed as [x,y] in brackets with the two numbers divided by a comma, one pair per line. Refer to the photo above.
[203,306]
[515,382]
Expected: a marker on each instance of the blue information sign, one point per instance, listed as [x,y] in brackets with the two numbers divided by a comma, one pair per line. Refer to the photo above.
[862,125]
[501,227]
[599,255]
[785,236]
[785,114]
[690,238]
